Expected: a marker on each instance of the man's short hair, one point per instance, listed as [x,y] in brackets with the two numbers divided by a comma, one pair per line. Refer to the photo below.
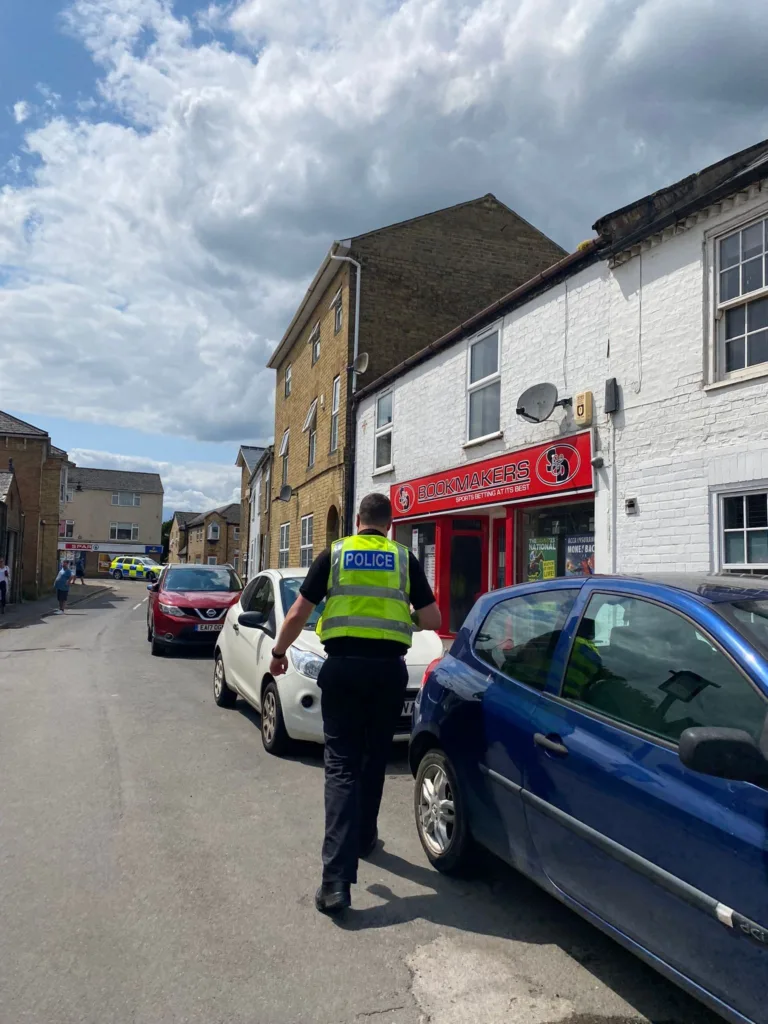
[375,510]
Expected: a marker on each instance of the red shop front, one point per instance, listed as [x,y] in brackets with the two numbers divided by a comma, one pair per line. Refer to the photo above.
[524,515]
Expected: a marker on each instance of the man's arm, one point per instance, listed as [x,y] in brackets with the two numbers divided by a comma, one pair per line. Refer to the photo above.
[422,598]
[293,623]
[429,617]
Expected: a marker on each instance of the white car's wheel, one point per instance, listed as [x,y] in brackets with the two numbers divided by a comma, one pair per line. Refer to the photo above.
[274,735]
[222,694]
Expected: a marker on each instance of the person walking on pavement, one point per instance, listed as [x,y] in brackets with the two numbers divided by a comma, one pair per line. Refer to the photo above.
[61,585]
[5,585]
[369,583]
[80,571]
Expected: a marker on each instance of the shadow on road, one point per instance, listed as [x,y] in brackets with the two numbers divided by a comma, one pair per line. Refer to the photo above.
[37,613]
[500,902]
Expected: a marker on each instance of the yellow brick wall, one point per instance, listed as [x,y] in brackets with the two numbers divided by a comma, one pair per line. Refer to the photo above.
[320,488]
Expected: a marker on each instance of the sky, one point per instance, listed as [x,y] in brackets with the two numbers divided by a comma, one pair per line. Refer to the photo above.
[172,174]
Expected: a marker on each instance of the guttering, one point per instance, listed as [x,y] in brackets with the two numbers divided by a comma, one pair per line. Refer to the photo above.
[585,253]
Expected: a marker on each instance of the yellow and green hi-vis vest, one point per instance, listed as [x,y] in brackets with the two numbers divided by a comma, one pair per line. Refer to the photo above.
[368,591]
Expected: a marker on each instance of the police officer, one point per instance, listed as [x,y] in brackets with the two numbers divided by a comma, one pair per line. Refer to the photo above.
[370,584]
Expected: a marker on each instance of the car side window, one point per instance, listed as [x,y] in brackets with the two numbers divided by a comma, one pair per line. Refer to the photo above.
[264,601]
[519,636]
[246,601]
[649,667]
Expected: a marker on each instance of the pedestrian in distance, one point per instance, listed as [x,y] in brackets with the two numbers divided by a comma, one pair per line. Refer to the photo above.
[5,585]
[80,571]
[369,583]
[61,585]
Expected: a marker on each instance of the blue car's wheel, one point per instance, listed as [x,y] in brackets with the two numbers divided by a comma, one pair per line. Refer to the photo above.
[441,820]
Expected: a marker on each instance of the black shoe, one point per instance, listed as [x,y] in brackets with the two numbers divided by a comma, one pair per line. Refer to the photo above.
[333,897]
[366,849]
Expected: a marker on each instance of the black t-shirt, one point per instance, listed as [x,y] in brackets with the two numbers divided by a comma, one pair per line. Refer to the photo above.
[315,587]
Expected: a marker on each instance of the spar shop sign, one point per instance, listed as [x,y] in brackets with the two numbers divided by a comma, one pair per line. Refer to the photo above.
[557,467]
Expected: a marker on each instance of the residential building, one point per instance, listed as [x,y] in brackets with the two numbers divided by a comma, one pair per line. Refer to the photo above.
[410,282]
[41,475]
[11,528]
[655,335]
[247,458]
[110,512]
[258,514]
[213,538]
[177,538]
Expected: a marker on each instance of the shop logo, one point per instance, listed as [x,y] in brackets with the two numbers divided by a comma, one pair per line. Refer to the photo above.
[405,498]
[557,465]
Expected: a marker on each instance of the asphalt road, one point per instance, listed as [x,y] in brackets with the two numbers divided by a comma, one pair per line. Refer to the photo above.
[158,867]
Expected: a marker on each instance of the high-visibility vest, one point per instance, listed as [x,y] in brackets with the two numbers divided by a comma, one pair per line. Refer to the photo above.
[583,668]
[368,591]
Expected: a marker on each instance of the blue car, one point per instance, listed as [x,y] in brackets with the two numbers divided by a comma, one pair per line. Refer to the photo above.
[607,737]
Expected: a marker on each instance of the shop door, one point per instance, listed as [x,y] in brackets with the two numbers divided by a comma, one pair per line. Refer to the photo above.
[468,567]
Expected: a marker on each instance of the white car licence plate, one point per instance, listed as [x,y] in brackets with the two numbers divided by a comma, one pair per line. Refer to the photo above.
[408,708]
[209,627]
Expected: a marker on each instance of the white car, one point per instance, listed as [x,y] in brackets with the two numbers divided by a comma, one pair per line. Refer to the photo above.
[290,704]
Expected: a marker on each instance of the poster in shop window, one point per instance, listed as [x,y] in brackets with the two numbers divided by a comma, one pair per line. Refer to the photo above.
[542,558]
[580,555]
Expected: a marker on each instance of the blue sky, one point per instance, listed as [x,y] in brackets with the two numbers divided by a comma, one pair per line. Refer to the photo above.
[171,176]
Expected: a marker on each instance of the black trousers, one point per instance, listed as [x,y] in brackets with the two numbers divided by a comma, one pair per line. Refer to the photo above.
[361,702]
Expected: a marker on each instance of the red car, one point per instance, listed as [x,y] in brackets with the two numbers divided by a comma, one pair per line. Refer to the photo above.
[188,604]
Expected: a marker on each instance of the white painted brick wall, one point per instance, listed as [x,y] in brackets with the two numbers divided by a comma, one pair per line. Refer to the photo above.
[676,444]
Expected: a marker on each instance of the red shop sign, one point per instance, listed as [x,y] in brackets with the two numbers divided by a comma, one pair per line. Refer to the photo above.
[553,468]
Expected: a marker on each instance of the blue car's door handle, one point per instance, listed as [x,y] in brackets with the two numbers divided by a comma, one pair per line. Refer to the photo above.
[550,743]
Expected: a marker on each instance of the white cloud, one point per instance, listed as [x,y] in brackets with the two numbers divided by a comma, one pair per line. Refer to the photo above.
[192,486]
[21,111]
[159,250]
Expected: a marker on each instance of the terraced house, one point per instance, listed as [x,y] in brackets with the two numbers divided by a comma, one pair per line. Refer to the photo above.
[213,538]
[386,293]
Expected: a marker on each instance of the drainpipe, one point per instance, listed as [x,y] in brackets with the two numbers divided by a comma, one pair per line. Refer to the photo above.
[349,490]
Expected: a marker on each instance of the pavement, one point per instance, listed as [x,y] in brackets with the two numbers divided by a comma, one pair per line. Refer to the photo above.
[158,867]
[24,613]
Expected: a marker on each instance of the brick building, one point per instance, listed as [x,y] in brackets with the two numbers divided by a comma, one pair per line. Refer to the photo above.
[41,474]
[110,512]
[416,280]
[663,321]
[248,458]
[11,525]
[213,538]
[177,538]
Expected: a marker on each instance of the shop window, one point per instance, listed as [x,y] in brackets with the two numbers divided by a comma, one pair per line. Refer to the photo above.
[420,539]
[559,540]
[383,434]
[744,520]
[519,636]
[283,551]
[742,298]
[483,387]
[305,548]
[655,671]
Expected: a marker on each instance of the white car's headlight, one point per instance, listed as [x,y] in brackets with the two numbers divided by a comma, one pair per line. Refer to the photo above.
[306,662]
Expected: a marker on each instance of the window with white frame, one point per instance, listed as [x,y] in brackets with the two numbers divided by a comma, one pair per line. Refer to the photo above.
[214,531]
[284,455]
[126,498]
[383,432]
[314,342]
[123,531]
[67,528]
[305,548]
[335,403]
[212,560]
[288,380]
[236,563]
[284,546]
[744,519]
[338,316]
[236,532]
[70,495]
[483,387]
[742,298]
[310,428]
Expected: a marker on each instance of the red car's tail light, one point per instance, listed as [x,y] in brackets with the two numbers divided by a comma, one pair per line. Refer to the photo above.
[429,669]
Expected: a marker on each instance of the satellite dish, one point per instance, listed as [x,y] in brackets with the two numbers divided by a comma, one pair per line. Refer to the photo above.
[360,364]
[537,404]
[286,493]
